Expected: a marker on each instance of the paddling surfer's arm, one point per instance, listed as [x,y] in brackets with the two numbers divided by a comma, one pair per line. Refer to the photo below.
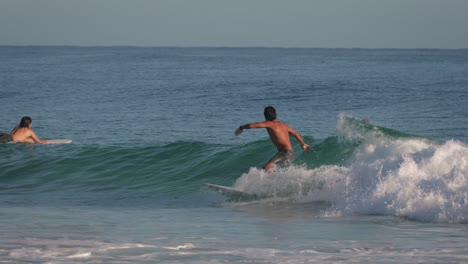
[36,139]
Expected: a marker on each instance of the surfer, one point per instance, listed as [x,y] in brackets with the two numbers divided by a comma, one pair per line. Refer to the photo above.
[279,135]
[24,133]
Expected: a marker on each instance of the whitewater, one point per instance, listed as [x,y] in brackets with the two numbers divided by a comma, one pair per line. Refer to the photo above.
[409,177]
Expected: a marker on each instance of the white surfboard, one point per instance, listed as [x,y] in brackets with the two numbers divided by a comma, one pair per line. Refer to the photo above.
[51,141]
[232,193]
[224,189]
[59,141]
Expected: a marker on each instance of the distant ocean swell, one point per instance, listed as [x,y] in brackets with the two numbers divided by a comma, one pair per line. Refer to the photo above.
[364,169]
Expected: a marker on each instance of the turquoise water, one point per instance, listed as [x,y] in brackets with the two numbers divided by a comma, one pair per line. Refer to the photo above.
[386,182]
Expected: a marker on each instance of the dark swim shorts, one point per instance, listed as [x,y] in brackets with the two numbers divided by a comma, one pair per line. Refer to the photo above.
[283,158]
[5,138]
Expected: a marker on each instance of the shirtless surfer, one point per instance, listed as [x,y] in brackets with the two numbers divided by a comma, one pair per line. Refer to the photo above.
[279,135]
[24,133]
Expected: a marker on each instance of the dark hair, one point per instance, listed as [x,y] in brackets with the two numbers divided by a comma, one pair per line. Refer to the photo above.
[25,121]
[270,113]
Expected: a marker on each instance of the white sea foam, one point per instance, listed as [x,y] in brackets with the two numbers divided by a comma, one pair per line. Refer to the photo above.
[408,177]
[185,246]
[341,251]
[68,251]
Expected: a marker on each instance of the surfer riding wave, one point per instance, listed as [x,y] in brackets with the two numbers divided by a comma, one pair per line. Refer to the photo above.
[279,134]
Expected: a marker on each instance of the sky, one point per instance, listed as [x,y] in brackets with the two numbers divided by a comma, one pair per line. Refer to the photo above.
[237,23]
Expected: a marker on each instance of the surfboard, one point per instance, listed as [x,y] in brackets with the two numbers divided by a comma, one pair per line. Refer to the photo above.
[224,189]
[232,193]
[60,141]
[51,141]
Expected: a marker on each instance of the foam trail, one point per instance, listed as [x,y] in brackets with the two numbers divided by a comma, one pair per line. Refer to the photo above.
[408,177]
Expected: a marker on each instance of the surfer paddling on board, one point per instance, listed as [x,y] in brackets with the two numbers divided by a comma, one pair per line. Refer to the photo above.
[279,135]
[24,133]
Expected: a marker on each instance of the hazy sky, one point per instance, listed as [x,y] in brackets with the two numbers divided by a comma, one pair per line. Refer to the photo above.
[234,23]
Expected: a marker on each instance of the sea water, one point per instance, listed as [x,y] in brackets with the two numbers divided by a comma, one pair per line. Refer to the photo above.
[386,180]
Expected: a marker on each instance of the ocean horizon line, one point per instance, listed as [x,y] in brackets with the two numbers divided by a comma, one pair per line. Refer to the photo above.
[217,47]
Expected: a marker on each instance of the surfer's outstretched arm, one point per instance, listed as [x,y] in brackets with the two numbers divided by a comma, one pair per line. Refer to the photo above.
[264,124]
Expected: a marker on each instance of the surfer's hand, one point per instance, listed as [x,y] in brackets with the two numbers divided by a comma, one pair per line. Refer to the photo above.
[238,131]
[306,147]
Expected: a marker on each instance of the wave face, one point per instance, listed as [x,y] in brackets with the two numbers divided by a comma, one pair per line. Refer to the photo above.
[363,169]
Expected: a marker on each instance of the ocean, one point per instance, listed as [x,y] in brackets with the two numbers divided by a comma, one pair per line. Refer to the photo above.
[386,180]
